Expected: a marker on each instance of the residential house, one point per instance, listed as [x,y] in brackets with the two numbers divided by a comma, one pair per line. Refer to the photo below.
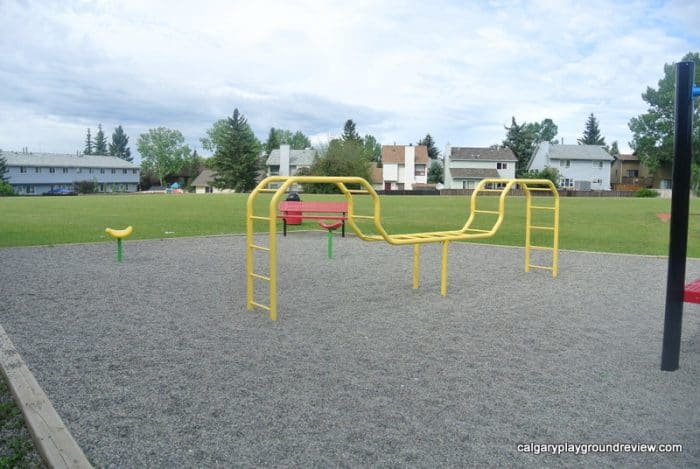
[404,166]
[37,173]
[286,162]
[581,167]
[203,183]
[628,173]
[465,167]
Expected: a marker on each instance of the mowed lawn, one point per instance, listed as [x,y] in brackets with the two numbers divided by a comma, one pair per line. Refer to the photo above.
[624,225]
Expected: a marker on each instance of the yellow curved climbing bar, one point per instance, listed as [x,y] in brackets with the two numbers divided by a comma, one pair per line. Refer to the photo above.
[279,185]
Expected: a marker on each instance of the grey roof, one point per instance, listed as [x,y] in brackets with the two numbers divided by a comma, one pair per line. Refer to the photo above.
[205,178]
[578,152]
[488,154]
[474,173]
[65,160]
[296,157]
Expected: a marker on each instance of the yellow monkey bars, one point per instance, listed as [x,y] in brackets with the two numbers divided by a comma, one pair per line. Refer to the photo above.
[279,185]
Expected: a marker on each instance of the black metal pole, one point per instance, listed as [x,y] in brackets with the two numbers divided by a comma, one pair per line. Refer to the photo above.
[680,205]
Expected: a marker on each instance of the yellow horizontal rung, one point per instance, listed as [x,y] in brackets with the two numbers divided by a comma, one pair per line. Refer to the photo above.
[548,228]
[364,217]
[262,248]
[259,218]
[493,212]
[542,248]
[542,208]
[269,190]
[358,191]
[542,189]
[541,267]
[261,277]
[260,305]
[477,230]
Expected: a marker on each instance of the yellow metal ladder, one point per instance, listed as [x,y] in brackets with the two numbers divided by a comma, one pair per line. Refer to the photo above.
[530,228]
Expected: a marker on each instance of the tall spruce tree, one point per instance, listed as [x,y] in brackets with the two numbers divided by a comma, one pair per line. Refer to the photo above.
[236,152]
[350,132]
[3,168]
[591,134]
[100,141]
[118,147]
[89,145]
[428,141]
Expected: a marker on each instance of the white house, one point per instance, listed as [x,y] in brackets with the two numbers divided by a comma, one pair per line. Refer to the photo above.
[285,162]
[581,167]
[404,166]
[36,173]
[465,167]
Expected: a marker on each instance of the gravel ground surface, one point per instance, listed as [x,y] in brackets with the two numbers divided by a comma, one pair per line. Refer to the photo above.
[156,362]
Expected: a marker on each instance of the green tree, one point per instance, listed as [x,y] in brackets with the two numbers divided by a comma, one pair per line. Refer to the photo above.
[299,141]
[652,132]
[88,144]
[350,132]
[273,141]
[236,152]
[163,152]
[428,141]
[277,137]
[523,138]
[3,168]
[591,133]
[372,150]
[547,173]
[343,158]
[436,173]
[613,149]
[100,141]
[118,147]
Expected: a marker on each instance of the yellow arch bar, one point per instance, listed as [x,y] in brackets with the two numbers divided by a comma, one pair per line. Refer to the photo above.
[279,185]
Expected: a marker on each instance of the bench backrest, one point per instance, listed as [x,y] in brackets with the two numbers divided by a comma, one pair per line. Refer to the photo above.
[314,207]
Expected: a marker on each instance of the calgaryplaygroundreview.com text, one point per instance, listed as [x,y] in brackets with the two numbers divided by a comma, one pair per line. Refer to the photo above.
[592,448]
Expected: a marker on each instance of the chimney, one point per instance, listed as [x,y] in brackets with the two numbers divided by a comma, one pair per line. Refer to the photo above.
[284,160]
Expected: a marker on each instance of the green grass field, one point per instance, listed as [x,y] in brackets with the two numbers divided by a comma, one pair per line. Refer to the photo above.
[623,225]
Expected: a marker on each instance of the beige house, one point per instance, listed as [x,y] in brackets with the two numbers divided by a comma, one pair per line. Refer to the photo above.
[203,184]
[404,166]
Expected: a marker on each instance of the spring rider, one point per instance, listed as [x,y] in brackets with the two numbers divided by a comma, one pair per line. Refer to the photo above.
[119,235]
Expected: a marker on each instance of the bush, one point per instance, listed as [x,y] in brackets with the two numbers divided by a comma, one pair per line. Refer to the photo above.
[6,189]
[645,192]
[85,187]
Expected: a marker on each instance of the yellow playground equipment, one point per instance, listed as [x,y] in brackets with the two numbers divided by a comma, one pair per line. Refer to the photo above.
[279,185]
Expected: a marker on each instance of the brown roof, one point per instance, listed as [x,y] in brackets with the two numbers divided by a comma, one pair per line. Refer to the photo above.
[627,157]
[397,154]
[488,154]
[376,174]
[473,173]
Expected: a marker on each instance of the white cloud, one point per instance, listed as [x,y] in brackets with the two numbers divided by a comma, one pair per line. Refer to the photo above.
[458,70]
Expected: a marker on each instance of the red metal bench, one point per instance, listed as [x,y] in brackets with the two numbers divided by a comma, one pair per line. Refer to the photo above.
[293,210]
[691,294]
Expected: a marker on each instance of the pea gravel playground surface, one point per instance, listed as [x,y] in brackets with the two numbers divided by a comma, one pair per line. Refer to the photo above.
[156,362]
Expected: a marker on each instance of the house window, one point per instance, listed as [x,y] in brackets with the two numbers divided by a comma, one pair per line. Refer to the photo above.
[101,188]
[420,170]
[65,170]
[565,163]
[37,169]
[30,189]
[124,171]
[52,170]
[501,165]
[90,170]
[598,164]
[632,173]
[665,184]
[133,171]
[22,169]
[114,171]
[78,170]
[208,189]
[102,170]
[567,182]
[274,170]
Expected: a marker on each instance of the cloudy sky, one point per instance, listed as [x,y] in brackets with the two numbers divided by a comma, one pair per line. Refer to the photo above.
[455,69]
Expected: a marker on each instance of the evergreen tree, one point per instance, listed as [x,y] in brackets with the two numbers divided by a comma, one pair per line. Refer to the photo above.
[428,141]
[591,134]
[88,144]
[3,168]
[371,148]
[273,141]
[100,141]
[436,173]
[118,146]
[522,140]
[299,141]
[613,149]
[350,133]
[236,152]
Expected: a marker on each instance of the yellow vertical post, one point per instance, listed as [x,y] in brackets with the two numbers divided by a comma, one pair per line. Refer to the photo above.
[416,264]
[443,273]
[528,224]
[273,252]
[249,251]
[555,253]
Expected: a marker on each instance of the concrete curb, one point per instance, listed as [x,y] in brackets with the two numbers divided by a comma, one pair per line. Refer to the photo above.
[53,441]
